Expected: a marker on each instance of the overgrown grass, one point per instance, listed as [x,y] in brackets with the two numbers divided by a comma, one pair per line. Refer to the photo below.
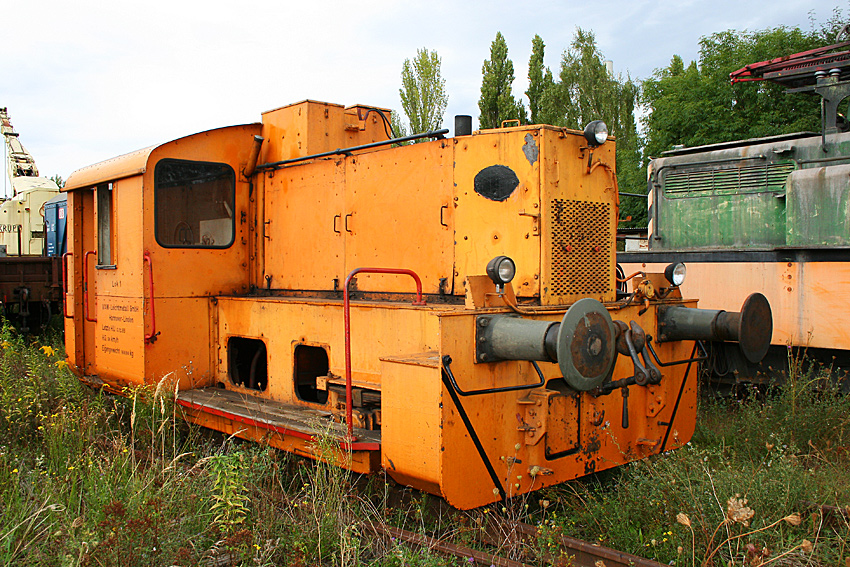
[92,479]
[765,481]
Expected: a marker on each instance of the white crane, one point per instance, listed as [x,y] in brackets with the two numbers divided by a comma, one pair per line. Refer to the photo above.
[22,215]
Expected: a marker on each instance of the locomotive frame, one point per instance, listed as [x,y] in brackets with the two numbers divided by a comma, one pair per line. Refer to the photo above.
[270,276]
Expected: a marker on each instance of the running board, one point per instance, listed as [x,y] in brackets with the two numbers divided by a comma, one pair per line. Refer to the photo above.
[289,427]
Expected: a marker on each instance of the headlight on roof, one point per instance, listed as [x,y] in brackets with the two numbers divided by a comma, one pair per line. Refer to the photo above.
[596,133]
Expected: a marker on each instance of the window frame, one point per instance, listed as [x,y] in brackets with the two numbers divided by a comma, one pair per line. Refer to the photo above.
[105,206]
[156,189]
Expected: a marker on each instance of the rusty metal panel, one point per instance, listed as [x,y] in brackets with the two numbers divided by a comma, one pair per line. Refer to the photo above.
[497,205]
[303,231]
[818,202]
[578,233]
[37,273]
[801,295]
[733,197]
[563,424]
[579,220]
[514,432]
[755,178]
[398,215]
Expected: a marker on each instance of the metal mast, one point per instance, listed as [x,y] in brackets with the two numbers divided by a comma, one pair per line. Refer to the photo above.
[19,162]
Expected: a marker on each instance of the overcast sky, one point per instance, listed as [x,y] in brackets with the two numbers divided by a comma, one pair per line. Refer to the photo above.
[88,80]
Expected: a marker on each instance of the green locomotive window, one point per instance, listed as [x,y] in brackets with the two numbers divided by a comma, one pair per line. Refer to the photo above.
[194,203]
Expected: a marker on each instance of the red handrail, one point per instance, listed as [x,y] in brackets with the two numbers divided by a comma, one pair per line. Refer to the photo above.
[347,309]
[86,286]
[65,257]
[149,338]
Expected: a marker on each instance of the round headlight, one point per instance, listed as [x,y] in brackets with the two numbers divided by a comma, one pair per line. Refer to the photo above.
[675,273]
[596,133]
[501,270]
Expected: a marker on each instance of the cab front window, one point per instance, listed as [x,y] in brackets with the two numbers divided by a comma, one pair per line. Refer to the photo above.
[194,203]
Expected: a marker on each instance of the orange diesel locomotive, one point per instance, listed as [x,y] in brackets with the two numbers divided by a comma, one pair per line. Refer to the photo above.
[446,310]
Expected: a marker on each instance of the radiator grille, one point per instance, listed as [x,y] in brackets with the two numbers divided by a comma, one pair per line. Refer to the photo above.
[750,179]
[581,251]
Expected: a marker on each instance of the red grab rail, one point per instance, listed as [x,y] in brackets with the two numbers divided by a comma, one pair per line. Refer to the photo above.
[86,286]
[150,337]
[65,257]
[347,308]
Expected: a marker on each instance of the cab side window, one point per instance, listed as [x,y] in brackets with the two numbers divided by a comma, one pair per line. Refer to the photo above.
[194,203]
[103,194]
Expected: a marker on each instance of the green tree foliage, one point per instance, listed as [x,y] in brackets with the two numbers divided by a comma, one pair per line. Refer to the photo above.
[539,81]
[497,103]
[587,91]
[423,92]
[697,104]
[399,128]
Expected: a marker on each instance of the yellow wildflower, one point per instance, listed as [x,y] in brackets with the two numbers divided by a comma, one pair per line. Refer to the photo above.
[48,350]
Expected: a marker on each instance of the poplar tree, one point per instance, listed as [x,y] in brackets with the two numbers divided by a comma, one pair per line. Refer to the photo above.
[539,80]
[588,91]
[497,103]
[423,93]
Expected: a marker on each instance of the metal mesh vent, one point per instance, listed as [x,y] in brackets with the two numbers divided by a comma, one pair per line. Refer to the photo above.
[580,248]
[749,179]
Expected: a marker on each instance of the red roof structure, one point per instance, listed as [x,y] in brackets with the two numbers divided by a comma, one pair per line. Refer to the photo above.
[798,70]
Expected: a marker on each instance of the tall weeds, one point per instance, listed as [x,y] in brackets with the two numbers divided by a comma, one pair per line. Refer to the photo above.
[92,479]
[750,488]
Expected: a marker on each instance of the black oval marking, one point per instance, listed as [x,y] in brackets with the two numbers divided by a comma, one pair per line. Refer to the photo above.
[496,182]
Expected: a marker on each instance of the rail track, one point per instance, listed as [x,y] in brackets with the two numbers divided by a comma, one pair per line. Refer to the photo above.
[518,536]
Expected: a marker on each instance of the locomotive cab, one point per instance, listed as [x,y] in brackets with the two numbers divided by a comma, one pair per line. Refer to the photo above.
[308,276]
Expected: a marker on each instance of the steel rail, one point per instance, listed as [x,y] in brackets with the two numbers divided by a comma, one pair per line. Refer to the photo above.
[440,546]
[582,553]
